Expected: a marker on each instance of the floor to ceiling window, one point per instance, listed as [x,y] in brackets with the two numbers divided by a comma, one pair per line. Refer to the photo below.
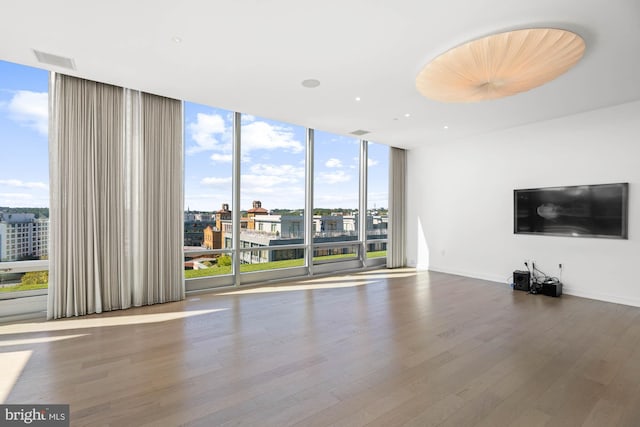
[377,200]
[302,196]
[270,185]
[336,198]
[272,194]
[208,191]
[273,165]
[24,180]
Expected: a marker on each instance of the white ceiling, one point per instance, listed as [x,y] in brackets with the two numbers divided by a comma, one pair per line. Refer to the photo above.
[251,56]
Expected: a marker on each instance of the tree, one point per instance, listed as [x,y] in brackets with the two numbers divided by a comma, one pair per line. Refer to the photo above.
[224,260]
[35,278]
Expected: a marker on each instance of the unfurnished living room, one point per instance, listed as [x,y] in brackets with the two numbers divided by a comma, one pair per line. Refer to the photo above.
[320,214]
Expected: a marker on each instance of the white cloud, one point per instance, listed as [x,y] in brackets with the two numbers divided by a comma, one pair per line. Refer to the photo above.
[276,185]
[222,158]
[4,197]
[334,177]
[209,133]
[252,181]
[209,201]
[30,109]
[274,198]
[216,181]
[349,201]
[206,196]
[21,184]
[370,162]
[333,163]
[24,200]
[288,171]
[264,136]
[281,184]
[333,139]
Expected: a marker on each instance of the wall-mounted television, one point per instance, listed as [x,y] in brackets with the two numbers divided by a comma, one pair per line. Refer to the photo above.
[576,211]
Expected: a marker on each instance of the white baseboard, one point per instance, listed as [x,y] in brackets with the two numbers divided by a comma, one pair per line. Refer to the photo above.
[490,278]
[634,302]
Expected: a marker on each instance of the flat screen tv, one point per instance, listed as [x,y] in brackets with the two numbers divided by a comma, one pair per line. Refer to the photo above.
[577,211]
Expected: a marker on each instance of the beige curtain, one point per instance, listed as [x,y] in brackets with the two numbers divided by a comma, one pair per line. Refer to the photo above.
[116,198]
[396,246]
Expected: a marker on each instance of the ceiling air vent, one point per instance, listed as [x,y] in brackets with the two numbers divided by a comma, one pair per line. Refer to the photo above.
[360,132]
[51,59]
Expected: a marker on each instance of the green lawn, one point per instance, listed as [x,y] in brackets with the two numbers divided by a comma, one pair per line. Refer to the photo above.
[21,287]
[376,254]
[225,269]
[246,268]
[206,272]
[329,257]
[221,270]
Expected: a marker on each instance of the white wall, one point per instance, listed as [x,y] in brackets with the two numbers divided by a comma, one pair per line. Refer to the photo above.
[460,202]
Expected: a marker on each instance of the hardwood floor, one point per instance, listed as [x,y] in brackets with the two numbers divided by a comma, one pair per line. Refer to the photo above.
[379,348]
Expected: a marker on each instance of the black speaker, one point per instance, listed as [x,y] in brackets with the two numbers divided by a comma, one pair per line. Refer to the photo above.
[552,288]
[521,280]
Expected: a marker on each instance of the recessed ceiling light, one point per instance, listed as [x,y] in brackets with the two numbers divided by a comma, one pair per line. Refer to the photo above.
[360,132]
[311,83]
[500,65]
[407,115]
[357,98]
[446,127]
[176,39]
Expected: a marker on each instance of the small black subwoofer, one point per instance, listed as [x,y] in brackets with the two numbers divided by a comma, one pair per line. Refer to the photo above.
[521,280]
[551,287]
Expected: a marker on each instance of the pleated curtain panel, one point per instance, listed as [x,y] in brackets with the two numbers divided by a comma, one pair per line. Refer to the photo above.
[116,177]
[396,233]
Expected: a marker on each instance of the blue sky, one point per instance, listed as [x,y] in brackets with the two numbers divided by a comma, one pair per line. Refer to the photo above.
[272,166]
[24,165]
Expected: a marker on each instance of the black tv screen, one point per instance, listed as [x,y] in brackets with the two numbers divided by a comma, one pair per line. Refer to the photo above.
[577,211]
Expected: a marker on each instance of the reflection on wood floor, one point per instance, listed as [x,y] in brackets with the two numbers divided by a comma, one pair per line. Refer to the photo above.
[384,348]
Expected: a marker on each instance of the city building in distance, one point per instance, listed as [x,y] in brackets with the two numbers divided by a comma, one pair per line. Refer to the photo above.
[260,229]
[23,236]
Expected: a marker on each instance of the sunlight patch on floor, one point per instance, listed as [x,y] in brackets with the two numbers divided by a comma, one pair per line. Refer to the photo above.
[97,322]
[12,366]
[327,282]
[299,287]
[381,274]
[42,340]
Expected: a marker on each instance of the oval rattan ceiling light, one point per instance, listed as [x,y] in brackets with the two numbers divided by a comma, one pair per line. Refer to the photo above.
[500,65]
